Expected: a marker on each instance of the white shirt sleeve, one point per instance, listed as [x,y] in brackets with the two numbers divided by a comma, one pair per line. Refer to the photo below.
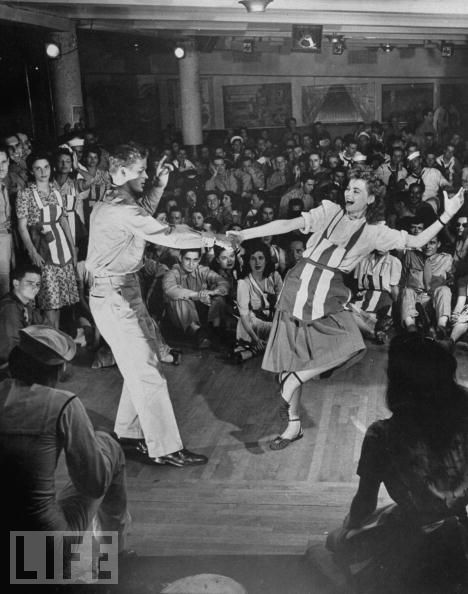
[316,218]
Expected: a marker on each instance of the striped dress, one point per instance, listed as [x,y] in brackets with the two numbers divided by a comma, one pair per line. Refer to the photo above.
[43,212]
[311,329]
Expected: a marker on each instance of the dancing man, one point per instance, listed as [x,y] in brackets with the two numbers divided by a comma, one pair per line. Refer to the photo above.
[313,332]
[121,224]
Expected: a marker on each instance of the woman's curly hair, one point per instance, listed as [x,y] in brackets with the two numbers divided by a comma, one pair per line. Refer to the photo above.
[376,210]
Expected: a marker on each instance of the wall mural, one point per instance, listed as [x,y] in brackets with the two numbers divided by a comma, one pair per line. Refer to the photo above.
[406,101]
[257,106]
[334,104]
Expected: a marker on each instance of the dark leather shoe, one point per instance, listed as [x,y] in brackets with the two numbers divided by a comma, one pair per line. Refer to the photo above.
[182,458]
[136,449]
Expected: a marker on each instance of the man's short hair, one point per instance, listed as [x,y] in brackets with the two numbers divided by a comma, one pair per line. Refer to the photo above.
[215,224]
[125,155]
[21,271]
[4,149]
[267,204]
[196,250]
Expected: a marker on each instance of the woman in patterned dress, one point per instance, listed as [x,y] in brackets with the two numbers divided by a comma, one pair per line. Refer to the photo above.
[313,333]
[44,229]
[66,180]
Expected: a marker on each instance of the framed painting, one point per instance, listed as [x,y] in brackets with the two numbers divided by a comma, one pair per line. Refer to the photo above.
[257,106]
[406,101]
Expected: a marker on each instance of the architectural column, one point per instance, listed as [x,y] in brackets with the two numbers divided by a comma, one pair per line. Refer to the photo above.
[66,81]
[190,97]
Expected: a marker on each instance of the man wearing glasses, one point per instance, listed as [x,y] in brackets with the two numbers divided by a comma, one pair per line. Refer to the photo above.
[17,310]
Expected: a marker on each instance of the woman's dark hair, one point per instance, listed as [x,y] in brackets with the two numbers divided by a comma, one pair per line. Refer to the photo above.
[252,246]
[199,209]
[29,370]
[91,148]
[422,391]
[33,157]
[214,264]
[67,153]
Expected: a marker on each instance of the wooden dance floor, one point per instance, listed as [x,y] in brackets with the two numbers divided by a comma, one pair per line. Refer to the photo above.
[247,499]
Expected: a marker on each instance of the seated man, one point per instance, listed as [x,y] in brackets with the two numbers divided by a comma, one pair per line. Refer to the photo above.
[377,279]
[425,278]
[17,310]
[37,423]
[189,290]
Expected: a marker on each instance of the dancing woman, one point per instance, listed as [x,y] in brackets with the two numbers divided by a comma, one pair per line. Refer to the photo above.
[312,331]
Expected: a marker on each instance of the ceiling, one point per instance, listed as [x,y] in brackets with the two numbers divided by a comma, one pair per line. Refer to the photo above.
[220,23]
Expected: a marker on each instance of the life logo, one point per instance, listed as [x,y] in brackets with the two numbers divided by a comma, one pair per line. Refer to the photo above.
[41,557]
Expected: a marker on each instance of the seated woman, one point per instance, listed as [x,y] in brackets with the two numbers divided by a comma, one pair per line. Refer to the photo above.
[257,292]
[223,311]
[420,454]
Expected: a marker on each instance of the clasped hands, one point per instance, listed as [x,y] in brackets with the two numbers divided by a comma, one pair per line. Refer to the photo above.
[224,241]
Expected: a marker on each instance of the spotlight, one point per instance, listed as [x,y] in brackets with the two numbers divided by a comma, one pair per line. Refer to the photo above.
[179,51]
[335,38]
[387,47]
[255,5]
[447,49]
[52,50]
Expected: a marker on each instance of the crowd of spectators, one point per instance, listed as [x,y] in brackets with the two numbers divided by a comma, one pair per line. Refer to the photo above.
[222,298]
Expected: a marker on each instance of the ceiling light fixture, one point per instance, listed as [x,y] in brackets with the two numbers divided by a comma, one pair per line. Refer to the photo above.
[335,38]
[255,5]
[447,49]
[387,47]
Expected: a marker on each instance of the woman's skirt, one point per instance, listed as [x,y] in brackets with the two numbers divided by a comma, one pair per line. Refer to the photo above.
[58,287]
[321,345]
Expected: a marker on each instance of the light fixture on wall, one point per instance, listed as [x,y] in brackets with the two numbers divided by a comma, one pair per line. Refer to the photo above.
[387,47]
[446,49]
[338,48]
[179,51]
[255,5]
[248,46]
[52,50]
[337,41]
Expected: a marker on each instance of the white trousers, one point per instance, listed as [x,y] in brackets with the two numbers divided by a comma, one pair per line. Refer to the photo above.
[145,409]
